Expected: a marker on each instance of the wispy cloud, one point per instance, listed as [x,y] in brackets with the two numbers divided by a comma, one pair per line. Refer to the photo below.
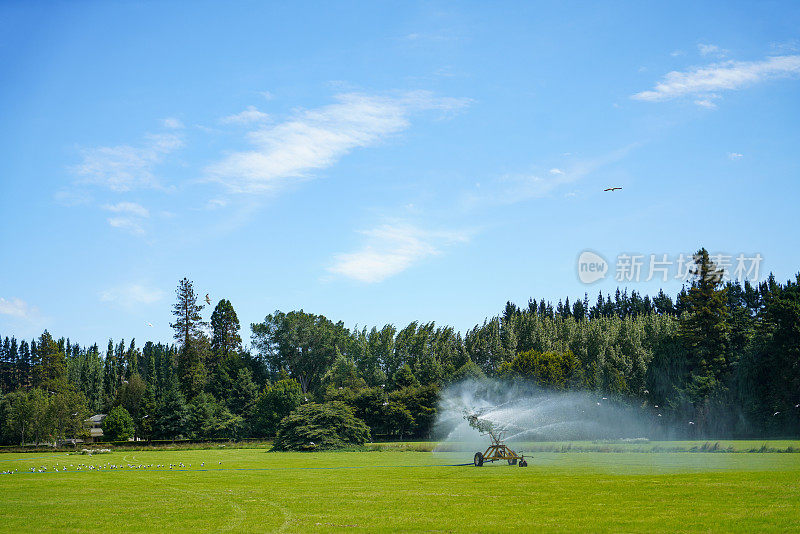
[172,123]
[735,155]
[17,308]
[248,116]
[705,82]
[129,224]
[317,138]
[128,207]
[132,295]
[130,217]
[711,50]
[391,249]
[126,167]
[707,102]
[514,188]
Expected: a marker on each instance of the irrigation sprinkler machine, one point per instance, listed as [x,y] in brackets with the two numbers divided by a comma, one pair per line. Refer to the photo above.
[497,450]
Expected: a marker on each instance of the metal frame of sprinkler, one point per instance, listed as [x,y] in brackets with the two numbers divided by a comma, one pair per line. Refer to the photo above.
[497,450]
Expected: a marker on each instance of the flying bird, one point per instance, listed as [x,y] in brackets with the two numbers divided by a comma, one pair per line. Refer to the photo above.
[208,299]
[776,413]
[612,189]
[149,324]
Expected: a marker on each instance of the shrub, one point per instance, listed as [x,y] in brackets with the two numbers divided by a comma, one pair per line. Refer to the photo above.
[331,425]
[118,425]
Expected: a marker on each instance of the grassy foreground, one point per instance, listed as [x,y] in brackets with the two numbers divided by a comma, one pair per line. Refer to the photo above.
[255,490]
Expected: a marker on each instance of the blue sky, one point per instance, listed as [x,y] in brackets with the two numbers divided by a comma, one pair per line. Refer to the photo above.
[381,162]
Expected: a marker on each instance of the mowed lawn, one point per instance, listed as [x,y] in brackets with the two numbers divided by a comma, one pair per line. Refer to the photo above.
[260,491]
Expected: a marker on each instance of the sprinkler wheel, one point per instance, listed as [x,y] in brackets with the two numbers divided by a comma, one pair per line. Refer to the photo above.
[478,459]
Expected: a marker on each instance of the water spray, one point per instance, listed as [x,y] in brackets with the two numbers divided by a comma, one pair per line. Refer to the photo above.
[518,413]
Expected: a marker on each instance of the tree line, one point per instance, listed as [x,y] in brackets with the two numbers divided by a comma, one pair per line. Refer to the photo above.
[724,355]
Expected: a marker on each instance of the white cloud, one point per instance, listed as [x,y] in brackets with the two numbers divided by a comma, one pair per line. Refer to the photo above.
[132,295]
[172,123]
[556,171]
[735,155]
[248,116]
[130,224]
[17,308]
[391,249]
[130,219]
[317,138]
[126,167]
[216,203]
[727,75]
[128,207]
[711,50]
[706,103]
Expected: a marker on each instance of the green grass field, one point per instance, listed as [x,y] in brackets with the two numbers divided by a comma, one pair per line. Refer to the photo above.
[394,490]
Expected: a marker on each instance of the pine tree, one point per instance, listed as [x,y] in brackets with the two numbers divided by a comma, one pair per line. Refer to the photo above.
[225,340]
[109,375]
[705,330]
[188,321]
[188,328]
[53,365]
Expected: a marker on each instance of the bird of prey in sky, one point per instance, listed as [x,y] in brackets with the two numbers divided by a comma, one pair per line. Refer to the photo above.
[612,189]
[208,299]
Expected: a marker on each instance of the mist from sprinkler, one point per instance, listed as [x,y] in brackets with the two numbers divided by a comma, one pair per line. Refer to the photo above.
[523,412]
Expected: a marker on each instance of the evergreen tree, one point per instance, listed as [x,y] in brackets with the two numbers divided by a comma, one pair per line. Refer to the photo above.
[225,340]
[109,375]
[243,394]
[188,321]
[52,369]
[188,327]
[705,330]
[172,414]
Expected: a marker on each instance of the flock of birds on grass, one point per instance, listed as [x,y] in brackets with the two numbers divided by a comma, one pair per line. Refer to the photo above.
[107,466]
